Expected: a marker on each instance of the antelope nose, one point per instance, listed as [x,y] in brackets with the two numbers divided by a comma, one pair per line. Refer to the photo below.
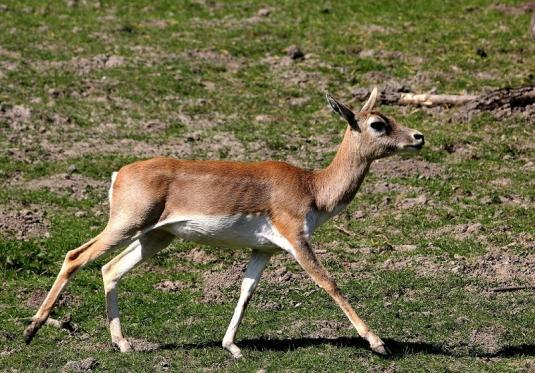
[419,137]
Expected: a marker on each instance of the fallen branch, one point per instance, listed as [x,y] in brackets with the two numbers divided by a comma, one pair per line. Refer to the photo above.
[502,99]
[512,288]
[427,99]
[64,324]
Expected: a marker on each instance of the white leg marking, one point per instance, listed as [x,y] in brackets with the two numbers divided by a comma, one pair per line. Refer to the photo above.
[256,266]
[138,251]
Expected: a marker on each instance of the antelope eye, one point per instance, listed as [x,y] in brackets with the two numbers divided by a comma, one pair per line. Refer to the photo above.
[378,126]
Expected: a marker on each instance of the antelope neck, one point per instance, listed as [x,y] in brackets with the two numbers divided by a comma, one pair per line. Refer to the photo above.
[338,183]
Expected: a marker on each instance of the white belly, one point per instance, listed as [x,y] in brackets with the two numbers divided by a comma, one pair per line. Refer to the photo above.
[228,231]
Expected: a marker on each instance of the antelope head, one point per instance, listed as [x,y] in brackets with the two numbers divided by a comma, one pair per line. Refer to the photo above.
[375,135]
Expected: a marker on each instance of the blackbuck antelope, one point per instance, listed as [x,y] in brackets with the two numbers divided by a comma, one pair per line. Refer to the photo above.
[266,206]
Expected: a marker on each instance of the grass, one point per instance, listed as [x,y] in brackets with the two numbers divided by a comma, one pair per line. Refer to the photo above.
[206,79]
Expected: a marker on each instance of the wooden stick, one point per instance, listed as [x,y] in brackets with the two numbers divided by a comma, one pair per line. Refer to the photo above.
[65,324]
[344,231]
[427,99]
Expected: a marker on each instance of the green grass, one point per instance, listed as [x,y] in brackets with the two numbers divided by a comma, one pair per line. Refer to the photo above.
[211,74]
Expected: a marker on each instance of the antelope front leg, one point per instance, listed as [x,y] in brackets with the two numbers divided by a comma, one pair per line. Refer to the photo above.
[307,259]
[256,266]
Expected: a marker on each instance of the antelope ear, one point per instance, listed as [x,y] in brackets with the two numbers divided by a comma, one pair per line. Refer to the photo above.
[343,111]
[370,104]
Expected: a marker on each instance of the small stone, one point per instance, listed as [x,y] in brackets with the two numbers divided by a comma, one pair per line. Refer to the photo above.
[481,52]
[262,118]
[294,52]
[474,228]
[71,169]
[114,61]
[79,214]
[358,215]
[264,12]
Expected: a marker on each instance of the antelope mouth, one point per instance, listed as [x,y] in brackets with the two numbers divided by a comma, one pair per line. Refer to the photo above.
[413,148]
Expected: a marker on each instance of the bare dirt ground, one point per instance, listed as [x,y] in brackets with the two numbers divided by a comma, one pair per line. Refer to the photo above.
[24,222]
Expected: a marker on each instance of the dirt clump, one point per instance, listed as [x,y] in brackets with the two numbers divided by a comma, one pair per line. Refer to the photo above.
[85,365]
[498,266]
[387,187]
[422,199]
[515,10]
[299,71]
[170,286]
[18,116]
[423,266]
[23,222]
[36,298]
[72,184]
[215,283]
[294,52]
[461,232]
[214,57]
[461,150]
[217,146]
[281,275]
[83,65]
[198,256]
[328,328]
[487,338]
[141,345]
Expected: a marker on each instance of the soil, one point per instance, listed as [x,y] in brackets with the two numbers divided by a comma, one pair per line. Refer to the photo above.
[294,72]
[461,232]
[278,274]
[74,185]
[85,365]
[396,167]
[24,222]
[515,10]
[421,200]
[185,147]
[496,267]
[215,283]
[83,65]
[422,265]
[170,286]
[461,150]
[328,328]
[487,338]
[215,57]
[36,298]
[317,328]
[141,345]
[504,268]
[198,256]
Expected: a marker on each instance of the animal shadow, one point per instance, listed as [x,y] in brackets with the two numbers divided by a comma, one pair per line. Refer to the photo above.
[397,348]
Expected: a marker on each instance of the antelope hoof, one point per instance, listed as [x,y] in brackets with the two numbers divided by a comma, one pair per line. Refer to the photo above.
[377,345]
[380,349]
[30,331]
[234,350]
[123,345]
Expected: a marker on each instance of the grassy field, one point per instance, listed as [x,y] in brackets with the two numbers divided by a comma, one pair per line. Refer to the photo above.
[88,86]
